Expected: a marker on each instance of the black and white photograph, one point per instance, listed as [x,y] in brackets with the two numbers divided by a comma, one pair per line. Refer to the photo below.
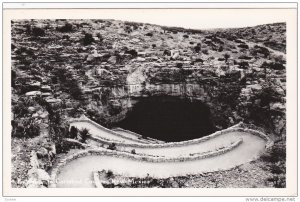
[149,102]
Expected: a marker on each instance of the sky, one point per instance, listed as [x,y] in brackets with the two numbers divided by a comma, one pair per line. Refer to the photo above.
[199,18]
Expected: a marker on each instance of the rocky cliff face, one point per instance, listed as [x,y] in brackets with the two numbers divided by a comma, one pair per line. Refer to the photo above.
[104,66]
[211,92]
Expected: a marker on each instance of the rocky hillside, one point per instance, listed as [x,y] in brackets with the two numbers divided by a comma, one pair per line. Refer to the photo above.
[271,35]
[63,61]
[101,67]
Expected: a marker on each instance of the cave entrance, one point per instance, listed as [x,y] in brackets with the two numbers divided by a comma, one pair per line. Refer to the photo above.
[170,119]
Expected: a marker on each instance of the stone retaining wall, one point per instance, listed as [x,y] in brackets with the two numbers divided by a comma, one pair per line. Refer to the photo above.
[269,142]
[76,142]
[143,145]
[169,144]
[234,128]
[85,119]
[138,135]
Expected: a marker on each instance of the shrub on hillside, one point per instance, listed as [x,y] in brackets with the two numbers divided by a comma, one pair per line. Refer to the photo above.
[245,57]
[199,60]
[149,34]
[84,135]
[25,128]
[73,132]
[273,65]
[167,52]
[276,158]
[66,28]
[245,46]
[278,59]
[276,154]
[13,78]
[260,50]
[112,146]
[109,174]
[279,181]
[132,52]
[205,51]
[66,37]
[88,39]
[179,65]
[220,49]
[128,29]
[226,56]
[239,41]
[244,65]
[37,31]
[197,48]
[276,45]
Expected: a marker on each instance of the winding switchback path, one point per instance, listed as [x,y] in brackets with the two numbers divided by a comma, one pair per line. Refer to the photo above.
[78,172]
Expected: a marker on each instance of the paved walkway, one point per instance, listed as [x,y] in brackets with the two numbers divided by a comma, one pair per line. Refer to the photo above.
[78,173]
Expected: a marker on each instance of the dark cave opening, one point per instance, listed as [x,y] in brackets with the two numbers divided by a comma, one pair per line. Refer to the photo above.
[170,119]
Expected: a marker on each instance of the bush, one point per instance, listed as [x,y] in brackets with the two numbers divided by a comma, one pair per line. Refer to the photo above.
[226,56]
[220,49]
[112,146]
[278,181]
[199,60]
[244,65]
[27,128]
[276,154]
[66,28]
[261,50]
[62,146]
[276,45]
[66,37]
[132,52]
[239,41]
[13,78]
[84,135]
[245,46]
[37,31]
[273,65]
[109,174]
[167,52]
[245,57]
[128,29]
[197,48]
[179,65]
[73,132]
[149,34]
[88,39]
[205,51]
[276,163]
